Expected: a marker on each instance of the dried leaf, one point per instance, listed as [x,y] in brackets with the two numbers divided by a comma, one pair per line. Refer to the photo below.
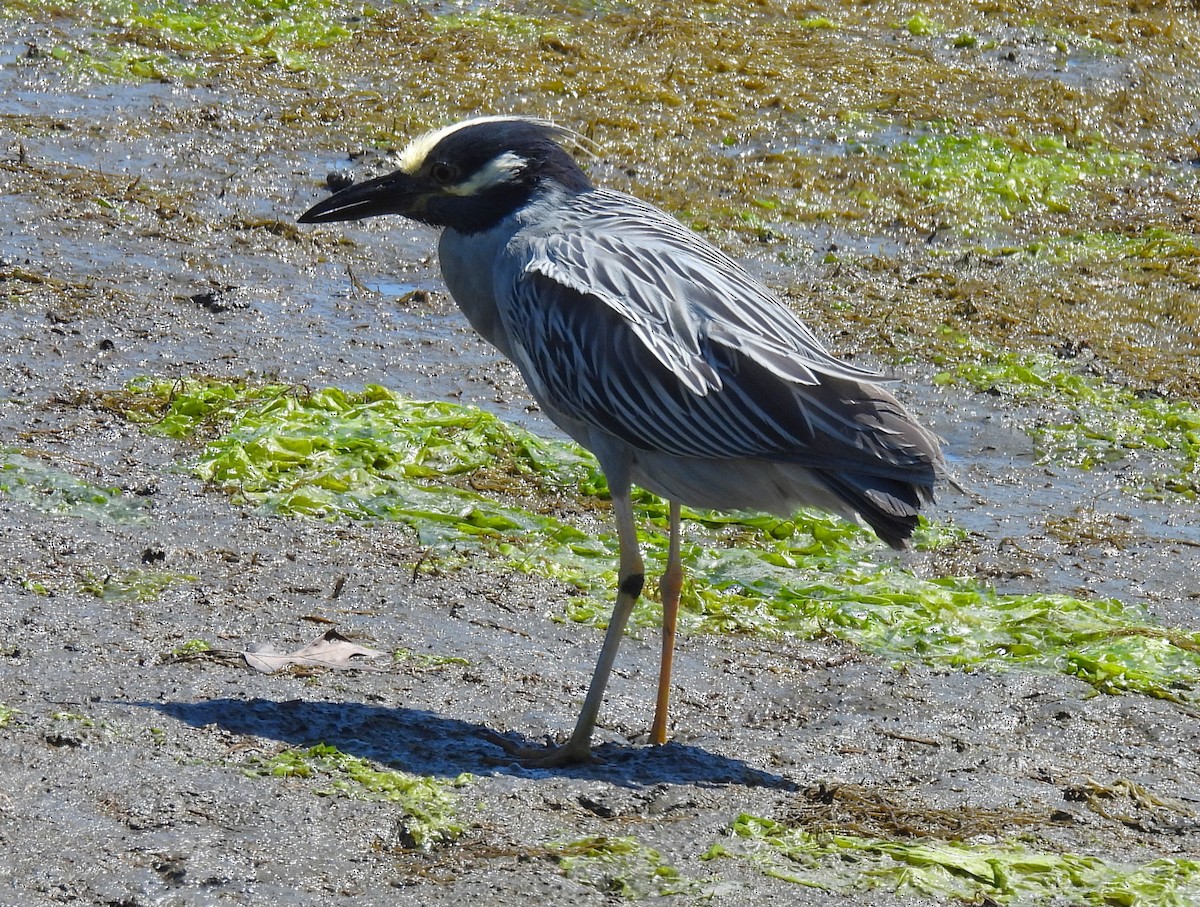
[329,650]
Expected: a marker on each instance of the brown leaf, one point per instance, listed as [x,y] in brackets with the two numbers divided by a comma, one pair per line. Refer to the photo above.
[329,650]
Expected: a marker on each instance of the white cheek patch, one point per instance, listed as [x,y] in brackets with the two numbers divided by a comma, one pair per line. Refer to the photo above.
[500,170]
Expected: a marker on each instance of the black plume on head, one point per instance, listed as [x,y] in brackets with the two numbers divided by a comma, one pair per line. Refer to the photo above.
[538,142]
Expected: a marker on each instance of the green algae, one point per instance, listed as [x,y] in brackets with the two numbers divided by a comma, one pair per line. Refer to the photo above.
[166,39]
[429,804]
[619,866]
[1104,421]
[976,179]
[191,649]
[1067,41]
[506,23]
[427,660]
[75,729]
[76,717]
[703,110]
[920,25]
[1154,244]
[121,63]
[35,483]
[948,621]
[465,480]
[269,29]
[178,409]
[1003,873]
[132,585]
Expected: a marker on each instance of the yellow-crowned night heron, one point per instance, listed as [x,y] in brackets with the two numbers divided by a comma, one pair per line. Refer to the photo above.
[655,351]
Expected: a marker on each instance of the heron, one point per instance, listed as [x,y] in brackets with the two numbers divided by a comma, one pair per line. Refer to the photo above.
[680,371]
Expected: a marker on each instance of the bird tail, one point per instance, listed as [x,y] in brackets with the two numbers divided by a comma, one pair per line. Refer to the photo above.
[890,506]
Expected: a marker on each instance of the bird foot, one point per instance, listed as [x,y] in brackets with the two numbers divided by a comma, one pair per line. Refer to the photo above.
[570,753]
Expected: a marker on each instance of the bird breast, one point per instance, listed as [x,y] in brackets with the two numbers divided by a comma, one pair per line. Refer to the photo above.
[468,262]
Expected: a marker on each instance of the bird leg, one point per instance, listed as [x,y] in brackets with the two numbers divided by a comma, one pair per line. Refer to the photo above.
[630,577]
[670,587]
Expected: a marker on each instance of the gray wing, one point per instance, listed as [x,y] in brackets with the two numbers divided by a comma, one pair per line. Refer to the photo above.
[635,325]
[674,289]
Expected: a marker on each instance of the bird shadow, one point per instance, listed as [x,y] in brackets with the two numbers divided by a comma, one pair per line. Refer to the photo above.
[425,743]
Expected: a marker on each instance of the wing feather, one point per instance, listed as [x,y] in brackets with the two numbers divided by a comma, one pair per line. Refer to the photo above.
[675,292]
[584,360]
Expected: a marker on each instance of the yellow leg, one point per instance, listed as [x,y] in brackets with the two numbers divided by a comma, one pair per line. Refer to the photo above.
[670,586]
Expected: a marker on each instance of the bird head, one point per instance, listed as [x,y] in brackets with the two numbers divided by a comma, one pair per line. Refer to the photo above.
[467,176]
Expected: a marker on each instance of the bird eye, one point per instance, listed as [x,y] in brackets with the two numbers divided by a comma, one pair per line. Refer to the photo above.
[443,173]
